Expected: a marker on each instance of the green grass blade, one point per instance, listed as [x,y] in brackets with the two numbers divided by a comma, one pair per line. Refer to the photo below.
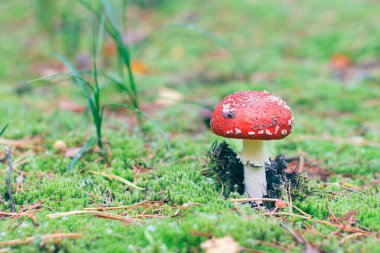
[118,83]
[113,30]
[92,93]
[153,121]
[3,130]
[81,152]
[84,84]
[52,77]
[110,13]
[100,34]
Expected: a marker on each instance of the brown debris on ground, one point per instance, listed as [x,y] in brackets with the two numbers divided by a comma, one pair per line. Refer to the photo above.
[347,227]
[147,210]
[300,164]
[44,239]
[224,166]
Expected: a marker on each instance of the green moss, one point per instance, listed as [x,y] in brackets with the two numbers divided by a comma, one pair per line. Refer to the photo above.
[283,48]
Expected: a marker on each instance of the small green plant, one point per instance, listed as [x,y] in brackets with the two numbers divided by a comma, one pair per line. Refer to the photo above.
[124,80]
[3,130]
[91,89]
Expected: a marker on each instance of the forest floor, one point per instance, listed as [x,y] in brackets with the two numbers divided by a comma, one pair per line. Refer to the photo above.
[321,57]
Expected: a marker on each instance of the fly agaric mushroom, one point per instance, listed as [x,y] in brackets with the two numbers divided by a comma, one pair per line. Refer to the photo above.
[253,116]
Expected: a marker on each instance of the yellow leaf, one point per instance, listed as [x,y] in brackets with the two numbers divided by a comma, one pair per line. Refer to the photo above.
[139,67]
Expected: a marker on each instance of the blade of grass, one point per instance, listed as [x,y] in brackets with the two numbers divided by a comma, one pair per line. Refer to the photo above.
[112,28]
[81,152]
[98,113]
[93,94]
[83,83]
[110,13]
[110,176]
[153,121]
[118,83]
[102,22]
[51,77]
[3,130]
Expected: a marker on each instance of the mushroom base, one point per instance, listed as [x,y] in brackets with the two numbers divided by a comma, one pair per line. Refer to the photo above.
[255,181]
[254,158]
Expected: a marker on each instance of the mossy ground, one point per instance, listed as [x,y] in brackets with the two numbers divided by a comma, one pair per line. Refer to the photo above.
[280,46]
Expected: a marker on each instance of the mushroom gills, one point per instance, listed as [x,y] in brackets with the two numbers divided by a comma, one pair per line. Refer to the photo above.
[254,158]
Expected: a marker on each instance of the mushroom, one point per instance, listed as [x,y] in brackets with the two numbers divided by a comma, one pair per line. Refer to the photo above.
[253,116]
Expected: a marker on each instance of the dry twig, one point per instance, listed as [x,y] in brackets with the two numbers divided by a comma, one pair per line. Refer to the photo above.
[271,200]
[110,177]
[44,239]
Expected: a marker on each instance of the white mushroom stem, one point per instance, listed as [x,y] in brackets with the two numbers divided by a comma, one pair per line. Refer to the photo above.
[254,158]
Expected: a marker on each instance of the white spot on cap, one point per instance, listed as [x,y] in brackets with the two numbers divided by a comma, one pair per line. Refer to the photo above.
[237,131]
[277,128]
[260,132]
[251,133]
[226,108]
[268,132]
[284,131]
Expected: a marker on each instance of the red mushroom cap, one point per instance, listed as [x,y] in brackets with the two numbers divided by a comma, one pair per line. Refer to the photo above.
[255,115]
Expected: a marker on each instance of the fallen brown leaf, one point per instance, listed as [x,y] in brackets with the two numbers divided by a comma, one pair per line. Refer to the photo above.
[313,169]
[218,245]
[71,152]
[280,204]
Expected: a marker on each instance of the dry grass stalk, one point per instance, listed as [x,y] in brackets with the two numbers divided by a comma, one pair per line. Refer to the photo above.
[94,213]
[185,206]
[272,245]
[116,217]
[272,200]
[144,203]
[110,177]
[352,236]
[77,212]
[44,239]
[24,143]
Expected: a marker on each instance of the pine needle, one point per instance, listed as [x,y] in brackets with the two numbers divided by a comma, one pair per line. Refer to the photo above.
[110,176]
